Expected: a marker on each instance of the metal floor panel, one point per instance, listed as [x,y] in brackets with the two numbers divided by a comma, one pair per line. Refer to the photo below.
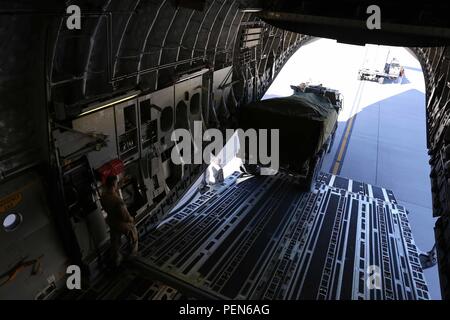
[261,238]
[127,284]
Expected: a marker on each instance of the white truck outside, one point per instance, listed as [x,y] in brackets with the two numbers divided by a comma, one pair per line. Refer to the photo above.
[378,65]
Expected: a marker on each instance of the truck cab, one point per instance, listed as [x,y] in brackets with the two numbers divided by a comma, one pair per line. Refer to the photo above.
[394,68]
[379,66]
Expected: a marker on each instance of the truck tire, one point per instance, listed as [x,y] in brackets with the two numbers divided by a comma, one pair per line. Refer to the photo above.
[313,172]
[330,145]
[307,185]
[251,169]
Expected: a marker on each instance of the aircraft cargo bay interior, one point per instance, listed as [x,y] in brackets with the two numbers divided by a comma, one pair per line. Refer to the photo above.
[224,150]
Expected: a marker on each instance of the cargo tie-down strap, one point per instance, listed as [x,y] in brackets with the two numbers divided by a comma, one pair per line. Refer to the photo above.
[11,274]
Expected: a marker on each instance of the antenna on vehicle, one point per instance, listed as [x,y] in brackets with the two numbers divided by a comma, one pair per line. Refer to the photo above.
[387,57]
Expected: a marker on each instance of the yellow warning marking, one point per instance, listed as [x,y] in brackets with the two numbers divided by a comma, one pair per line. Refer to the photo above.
[13,199]
[10,202]
[337,164]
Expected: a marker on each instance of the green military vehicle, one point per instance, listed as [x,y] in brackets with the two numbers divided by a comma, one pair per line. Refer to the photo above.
[307,122]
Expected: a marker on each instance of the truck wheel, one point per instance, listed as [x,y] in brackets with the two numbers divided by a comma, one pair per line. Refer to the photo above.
[312,174]
[251,169]
[380,80]
[330,145]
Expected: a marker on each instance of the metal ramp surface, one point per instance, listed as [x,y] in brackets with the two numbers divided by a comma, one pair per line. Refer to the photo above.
[261,238]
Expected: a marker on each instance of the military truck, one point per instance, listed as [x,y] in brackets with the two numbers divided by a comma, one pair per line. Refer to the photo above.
[307,122]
